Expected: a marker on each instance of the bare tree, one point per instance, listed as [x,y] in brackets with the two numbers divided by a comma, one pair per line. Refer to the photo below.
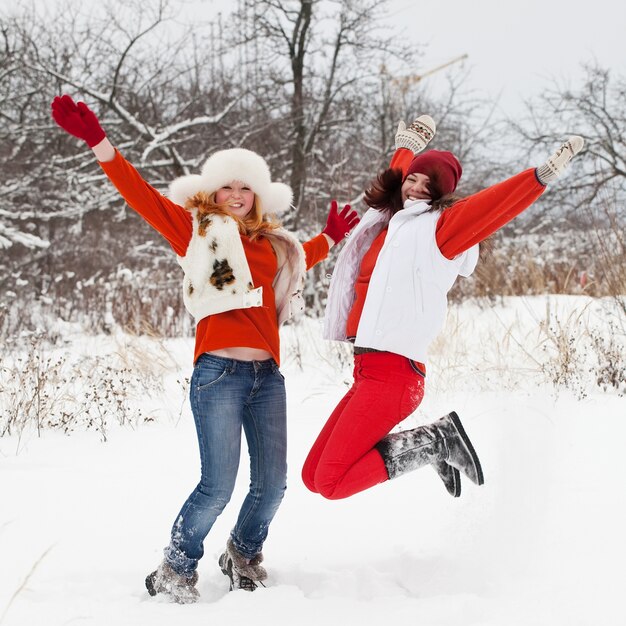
[596,109]
[147,91]
[304,87]
[589,205]
[158,101]
[324,60]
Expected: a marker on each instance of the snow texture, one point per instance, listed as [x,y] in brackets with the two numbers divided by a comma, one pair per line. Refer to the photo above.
[541,543]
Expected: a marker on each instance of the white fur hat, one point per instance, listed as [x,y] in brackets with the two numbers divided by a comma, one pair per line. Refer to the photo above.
[223,167]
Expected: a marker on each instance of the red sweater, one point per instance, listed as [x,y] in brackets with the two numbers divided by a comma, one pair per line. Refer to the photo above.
[255,327]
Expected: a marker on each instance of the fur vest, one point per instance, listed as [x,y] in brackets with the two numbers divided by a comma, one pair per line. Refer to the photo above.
[217,276]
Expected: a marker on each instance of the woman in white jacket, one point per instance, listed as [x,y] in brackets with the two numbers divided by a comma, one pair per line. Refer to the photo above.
[388,295]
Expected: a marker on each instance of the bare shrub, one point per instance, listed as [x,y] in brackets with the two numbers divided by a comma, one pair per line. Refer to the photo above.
[41,388]
[610,367]
[574,262]
[562,365]
[582,356]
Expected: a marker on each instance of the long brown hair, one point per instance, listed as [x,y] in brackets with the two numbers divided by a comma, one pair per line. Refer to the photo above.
[385,192]
[252,225]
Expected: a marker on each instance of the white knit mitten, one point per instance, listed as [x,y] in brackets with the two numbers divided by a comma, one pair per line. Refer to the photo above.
[556,163]
[417,136]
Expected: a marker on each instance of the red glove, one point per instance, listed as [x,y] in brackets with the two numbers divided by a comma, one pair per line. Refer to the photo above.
[339,225]
[77,119]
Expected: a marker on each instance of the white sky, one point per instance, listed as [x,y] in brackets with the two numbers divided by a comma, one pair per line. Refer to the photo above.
[514,49]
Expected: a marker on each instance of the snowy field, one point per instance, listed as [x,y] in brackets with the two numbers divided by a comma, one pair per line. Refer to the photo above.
[541,543]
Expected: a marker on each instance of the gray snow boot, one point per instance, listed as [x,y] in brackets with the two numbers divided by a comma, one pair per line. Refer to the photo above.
[441,443]
[246,574]
[176,587]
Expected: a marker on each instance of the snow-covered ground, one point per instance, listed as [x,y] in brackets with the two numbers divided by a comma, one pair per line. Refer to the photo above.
[541,543]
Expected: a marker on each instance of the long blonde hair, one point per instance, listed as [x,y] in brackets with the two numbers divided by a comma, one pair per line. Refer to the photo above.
[252,225]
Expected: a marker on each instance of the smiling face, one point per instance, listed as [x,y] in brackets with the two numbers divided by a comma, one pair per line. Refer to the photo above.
[416,187]
[237,197]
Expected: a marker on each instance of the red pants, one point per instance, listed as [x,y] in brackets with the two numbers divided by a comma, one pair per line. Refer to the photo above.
[343,460]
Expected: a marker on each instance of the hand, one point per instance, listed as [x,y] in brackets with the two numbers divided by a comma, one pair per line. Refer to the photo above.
[339,225]
[558,161]
[77,119]
[417,136]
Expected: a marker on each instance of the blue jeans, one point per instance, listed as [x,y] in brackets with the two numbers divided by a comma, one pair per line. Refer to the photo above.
[225,395]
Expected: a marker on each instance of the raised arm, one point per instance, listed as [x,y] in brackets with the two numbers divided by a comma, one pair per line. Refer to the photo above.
[471,220]
[168,218]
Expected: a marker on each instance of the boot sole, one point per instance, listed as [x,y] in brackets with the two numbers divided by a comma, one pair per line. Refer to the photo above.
[221,563]
[457,483]
[459,427]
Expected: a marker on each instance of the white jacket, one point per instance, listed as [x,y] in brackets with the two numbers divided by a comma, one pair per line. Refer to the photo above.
[406,303]
[217,275]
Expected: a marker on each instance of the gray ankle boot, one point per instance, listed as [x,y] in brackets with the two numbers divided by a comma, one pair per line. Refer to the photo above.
[442,443]
[246,574]
[178,588]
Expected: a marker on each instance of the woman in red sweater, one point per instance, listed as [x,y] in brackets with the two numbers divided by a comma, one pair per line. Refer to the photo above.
[388,297]
[243,277]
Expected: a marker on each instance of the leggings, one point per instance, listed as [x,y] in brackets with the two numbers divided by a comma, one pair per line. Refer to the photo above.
[387,388]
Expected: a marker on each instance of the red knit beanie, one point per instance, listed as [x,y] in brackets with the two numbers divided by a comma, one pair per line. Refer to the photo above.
[443,169]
